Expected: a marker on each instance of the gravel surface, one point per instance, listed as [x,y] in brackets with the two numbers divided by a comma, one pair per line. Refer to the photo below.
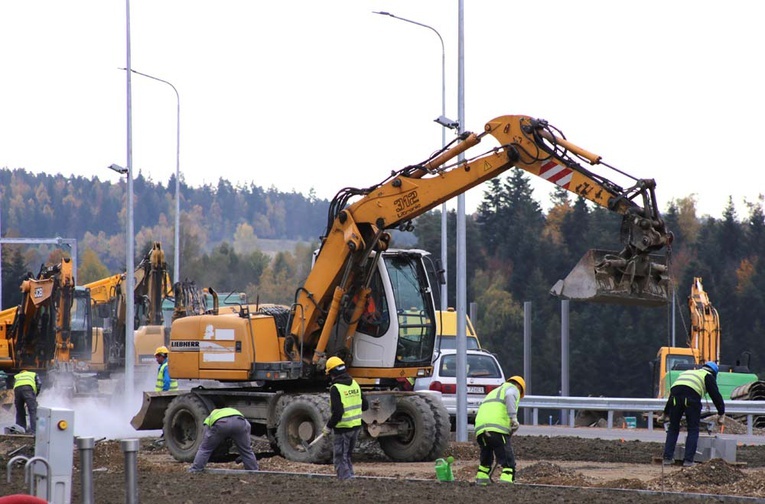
[550,469]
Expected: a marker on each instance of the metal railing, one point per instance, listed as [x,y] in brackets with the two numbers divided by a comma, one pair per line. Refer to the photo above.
[611,404]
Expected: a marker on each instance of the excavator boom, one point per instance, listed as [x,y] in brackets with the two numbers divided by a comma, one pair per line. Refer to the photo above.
[355,230]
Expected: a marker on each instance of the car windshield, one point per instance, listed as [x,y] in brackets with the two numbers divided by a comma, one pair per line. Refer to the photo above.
[450,343]
[478,366]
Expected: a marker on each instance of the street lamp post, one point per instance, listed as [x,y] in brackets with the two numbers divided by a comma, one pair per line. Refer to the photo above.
[130,233]
[444,257]
[176,250]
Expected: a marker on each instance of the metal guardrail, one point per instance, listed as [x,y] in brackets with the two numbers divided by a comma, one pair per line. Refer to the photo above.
[625,404]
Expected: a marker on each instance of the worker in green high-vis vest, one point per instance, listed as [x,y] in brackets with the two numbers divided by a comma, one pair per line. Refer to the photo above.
[26,387]
[222,424]
[495,423]
[346,402]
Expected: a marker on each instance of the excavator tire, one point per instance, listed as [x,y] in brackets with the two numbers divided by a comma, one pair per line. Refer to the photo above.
[417,430]
[299,423]
[183,426]
[443,426]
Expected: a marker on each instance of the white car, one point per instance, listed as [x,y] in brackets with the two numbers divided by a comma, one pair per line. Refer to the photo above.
[483,375]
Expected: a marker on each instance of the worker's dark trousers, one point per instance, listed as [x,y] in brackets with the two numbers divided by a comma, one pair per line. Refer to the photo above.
[235,427]
[25,396]
[691,407]
[494,444]
[343,444]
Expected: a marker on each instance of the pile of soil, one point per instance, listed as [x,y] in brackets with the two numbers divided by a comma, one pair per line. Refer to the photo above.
[551,469]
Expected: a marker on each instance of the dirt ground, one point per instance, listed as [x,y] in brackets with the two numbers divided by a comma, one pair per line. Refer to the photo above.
[550,469]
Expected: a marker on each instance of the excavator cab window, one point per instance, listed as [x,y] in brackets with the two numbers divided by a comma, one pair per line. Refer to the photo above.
[81,335]
[416,319]
[375,319]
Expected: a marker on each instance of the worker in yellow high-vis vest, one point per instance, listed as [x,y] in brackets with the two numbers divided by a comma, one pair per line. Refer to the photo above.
[685,398]
[26,386]
[346,402]
[164,381]
[495,422]
[222,424]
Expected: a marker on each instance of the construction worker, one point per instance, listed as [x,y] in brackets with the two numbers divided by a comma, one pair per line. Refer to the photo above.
[26,386]
[495,423]
[685,399]
[220,425]
[346,402]
[164,382]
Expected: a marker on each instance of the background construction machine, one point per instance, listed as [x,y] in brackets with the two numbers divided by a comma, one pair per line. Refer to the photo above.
[703,345]
[74,335]
[269,363]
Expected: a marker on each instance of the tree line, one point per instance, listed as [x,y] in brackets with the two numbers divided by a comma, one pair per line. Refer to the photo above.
[515,253]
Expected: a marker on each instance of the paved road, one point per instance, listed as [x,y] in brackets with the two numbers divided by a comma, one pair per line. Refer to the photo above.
[657,435]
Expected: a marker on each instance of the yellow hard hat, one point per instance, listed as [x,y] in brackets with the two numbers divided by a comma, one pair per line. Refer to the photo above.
[521,383]
[332,363]
[161,350]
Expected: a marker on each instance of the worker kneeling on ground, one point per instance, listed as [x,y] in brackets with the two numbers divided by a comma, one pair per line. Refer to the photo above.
[495,422]
[220,425]
[685,399]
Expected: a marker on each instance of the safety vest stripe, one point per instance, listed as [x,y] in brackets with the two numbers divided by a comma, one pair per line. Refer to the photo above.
[496,427]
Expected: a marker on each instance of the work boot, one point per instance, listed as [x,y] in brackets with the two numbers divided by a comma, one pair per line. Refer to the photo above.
[668,462]
[688,463]
[508,476]
[482,476]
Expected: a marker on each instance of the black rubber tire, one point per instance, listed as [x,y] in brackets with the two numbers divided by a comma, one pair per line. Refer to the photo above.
[443,426]
[418,431]
[309,412]
[183,426]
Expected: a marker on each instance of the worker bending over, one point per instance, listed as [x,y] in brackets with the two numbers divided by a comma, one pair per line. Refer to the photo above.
[222,424]
[685,399]
[26,387]
[495,422]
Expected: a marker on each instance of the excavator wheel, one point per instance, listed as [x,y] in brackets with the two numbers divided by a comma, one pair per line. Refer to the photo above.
[417,430]
[183,426]
[299,423]
[443,425]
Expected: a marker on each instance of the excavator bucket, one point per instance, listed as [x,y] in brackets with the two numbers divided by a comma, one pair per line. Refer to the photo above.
[606,277]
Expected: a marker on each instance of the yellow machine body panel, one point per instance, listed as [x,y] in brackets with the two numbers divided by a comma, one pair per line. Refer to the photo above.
[222,347]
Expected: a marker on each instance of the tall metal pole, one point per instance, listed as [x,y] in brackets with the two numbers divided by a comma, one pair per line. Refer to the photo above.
[444,232]
[130,235]
[527,357]
[461,244]
[177,248]
[564,354]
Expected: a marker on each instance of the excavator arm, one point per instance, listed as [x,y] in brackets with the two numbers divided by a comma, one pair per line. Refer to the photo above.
[704,335]
[356,230]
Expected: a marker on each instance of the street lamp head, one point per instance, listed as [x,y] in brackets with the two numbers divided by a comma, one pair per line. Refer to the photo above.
[447,123]
[383,13]
[119,169]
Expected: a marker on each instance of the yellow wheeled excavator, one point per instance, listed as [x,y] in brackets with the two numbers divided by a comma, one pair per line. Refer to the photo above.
[269,363]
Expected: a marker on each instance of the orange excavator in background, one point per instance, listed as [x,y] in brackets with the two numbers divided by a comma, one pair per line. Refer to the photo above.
[270,363]
[74,335]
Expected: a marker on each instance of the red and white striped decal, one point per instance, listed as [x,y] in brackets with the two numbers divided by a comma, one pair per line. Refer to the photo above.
[556,173]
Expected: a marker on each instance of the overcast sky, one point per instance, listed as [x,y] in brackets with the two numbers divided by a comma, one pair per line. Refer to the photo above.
[302,94]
